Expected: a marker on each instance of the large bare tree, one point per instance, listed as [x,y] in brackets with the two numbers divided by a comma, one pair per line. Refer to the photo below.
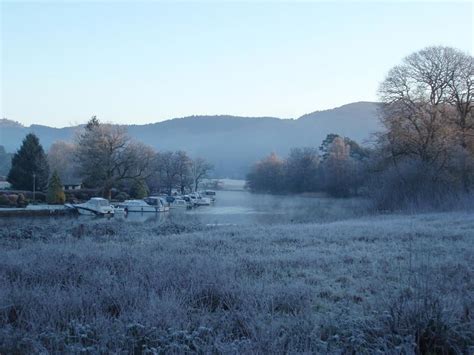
[106,155]
[461,97]
[427,106]
[173,169]
[165,171]
[183,169]
[200,169]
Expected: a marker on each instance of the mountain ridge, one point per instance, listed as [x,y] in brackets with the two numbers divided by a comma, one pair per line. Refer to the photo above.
[231,143]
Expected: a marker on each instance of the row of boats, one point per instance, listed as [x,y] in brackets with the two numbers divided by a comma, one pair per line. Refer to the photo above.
[155,204]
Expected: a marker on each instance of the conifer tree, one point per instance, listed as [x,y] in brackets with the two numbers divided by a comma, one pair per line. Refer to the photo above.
[139,189]
[55,190]
[29,166]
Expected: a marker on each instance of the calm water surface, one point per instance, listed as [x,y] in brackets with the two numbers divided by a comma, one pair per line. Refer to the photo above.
[244,208]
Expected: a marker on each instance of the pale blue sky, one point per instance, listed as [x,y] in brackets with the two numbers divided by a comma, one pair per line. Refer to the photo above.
[149,61]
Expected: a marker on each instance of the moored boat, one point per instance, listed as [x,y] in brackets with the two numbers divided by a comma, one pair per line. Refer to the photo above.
[150,204]
[95,206]
[209,194]
[198,200]
[180,203]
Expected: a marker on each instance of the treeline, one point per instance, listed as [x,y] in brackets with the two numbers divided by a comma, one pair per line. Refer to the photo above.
[337,167]
[103,157]
[425,155]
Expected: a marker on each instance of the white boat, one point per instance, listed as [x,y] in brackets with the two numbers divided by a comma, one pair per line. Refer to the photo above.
[180,203]
[198,200]
[95,206]
[159,202]
[209,194]
[150,204]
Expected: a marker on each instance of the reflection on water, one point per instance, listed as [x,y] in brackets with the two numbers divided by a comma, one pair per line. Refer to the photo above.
[242,207]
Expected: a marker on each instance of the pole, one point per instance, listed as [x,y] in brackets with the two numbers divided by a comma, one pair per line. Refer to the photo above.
[34,186]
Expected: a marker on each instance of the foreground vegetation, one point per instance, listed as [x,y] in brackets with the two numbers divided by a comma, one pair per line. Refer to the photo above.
[395,284]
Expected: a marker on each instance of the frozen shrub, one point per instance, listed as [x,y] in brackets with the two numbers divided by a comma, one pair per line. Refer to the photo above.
[4,201]
[213,298]
[21,201]
[39,196]
[412,185]
[12,198]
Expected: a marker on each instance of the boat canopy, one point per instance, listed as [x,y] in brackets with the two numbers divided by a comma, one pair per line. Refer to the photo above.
[98,201]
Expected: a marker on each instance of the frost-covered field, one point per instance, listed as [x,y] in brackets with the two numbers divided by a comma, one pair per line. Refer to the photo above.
[375,284]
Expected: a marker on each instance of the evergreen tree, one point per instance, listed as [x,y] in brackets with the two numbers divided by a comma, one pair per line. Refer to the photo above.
[55,190]
[326,144]
[139,189]
[29,160]
[93,123]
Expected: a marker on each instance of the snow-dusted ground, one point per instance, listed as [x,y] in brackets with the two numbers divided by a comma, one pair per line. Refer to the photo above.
[43,207]
[395,284]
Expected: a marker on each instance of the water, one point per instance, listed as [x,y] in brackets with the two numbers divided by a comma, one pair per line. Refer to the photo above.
[244,208]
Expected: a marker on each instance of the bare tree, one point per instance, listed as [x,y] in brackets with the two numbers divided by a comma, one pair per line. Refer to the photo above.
[267,175]
[427,108]
[461,97]
[415,110]
[339,168]
[173,170]
[428,115]
[106,155]
[302,168]
[200,169]
[61,159]
[183,169]
[165,170]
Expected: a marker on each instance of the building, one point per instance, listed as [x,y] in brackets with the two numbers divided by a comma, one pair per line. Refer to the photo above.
[5,185]
[72,186]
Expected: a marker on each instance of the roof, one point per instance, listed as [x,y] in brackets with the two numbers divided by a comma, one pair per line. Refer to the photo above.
[4,184]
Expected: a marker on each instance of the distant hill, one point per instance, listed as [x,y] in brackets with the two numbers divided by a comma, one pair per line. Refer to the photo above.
[231,143]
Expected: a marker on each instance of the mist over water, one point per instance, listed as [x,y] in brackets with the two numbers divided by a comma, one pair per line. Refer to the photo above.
[245,208]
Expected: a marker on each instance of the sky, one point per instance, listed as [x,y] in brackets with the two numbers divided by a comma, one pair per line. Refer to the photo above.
[142,62]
